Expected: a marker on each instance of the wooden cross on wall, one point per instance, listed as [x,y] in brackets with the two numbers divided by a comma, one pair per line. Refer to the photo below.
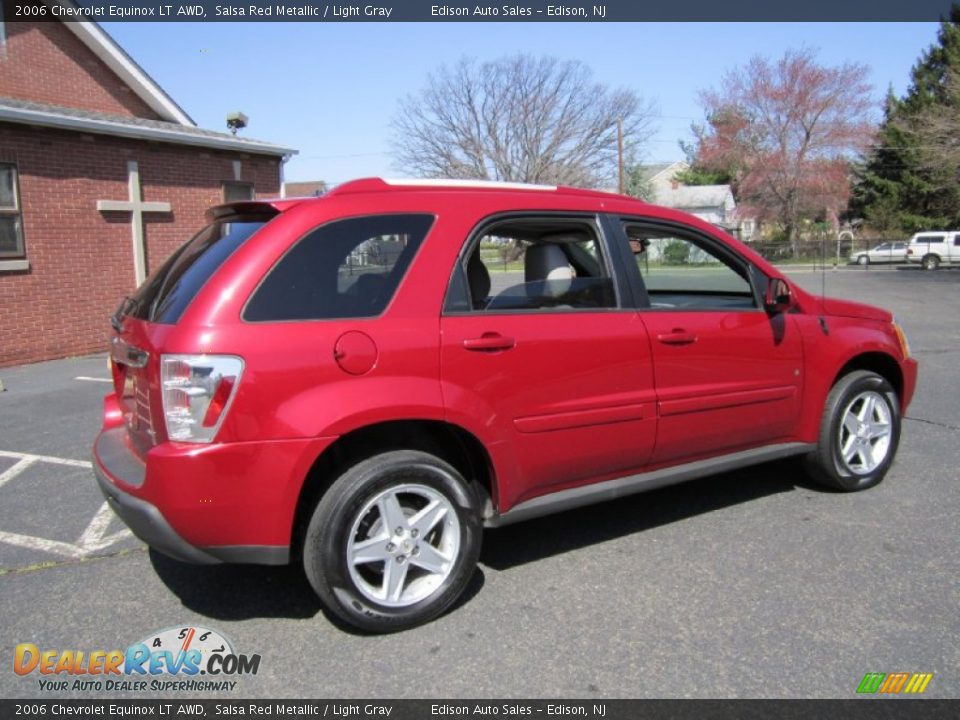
[136,207]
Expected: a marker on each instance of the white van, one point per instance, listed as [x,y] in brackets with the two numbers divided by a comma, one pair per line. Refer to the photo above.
[932,249]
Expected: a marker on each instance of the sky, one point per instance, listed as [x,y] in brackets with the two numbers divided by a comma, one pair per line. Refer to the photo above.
[331,90]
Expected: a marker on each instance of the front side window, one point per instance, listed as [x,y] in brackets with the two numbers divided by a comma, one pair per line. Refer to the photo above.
[533,264]
[11,223]
[345,269]
[686,272]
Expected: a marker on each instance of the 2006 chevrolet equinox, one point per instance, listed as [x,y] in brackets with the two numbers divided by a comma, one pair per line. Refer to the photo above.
[361,382]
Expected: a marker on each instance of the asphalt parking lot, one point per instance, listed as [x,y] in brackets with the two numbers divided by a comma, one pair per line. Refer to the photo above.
[749,584]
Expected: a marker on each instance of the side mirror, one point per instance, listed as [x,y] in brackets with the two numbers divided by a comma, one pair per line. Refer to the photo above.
[778,298]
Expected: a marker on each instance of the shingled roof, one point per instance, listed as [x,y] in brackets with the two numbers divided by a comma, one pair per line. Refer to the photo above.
[54,116]
[686,197]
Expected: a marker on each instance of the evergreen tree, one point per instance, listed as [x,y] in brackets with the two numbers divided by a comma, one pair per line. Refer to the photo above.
[907,183]
[698,173]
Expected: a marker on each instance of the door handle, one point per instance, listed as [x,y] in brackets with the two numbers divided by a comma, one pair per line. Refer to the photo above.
[488,342]
[677,337]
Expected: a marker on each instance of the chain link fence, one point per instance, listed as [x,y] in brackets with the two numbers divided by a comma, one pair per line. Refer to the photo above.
[818,251]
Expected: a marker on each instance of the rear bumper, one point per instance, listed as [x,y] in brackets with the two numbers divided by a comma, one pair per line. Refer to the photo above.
[229,503]
[144,519]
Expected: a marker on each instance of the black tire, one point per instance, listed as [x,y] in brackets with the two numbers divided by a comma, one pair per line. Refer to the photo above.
[930,262]
[826,465]
[863,260]
[347,503]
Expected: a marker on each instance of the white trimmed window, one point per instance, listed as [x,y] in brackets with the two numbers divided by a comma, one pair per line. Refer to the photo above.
[235,191]
[11,223]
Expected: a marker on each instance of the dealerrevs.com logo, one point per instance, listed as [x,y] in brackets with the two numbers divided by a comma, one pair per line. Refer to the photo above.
[170,660]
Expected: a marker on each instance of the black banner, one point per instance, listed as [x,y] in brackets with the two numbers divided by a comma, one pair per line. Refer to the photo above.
[456,11]
[861,709]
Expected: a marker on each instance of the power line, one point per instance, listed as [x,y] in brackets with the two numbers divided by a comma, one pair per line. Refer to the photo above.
[345,157]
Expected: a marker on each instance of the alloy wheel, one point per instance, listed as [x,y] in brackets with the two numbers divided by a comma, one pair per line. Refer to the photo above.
[403,544]
[865,429]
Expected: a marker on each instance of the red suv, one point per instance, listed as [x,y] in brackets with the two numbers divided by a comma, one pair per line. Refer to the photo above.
[361,382]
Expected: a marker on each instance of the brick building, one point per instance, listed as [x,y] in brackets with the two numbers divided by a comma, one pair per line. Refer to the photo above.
[102,176]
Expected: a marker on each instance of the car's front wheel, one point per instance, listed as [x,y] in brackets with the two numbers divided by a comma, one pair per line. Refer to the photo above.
[394,541]
[859,433]
[863,260]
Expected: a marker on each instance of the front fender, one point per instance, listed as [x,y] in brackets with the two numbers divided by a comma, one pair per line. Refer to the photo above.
[846,342]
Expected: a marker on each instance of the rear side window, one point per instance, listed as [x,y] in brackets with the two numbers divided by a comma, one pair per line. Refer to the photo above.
[168,292]
[929,239]
[345,269]
[542,264]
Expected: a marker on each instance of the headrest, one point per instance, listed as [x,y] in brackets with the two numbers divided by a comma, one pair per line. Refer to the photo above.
[478,278]
[547,262]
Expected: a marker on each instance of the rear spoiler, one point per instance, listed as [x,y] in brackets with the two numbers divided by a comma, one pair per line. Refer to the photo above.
[268,208]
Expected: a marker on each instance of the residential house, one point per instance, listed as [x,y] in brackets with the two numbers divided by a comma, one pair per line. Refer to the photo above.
[713,203]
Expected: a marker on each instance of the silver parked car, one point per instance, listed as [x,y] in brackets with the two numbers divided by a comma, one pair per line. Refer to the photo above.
[888,252]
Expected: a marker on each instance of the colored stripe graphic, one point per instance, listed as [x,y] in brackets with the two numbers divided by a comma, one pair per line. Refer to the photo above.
[894,683]
[918,683]
[871,682]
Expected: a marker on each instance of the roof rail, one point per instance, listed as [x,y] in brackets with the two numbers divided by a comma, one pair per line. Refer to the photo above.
[376,184]
[441,182]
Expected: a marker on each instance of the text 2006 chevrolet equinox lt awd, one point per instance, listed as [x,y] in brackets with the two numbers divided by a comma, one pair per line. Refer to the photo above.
[361,382]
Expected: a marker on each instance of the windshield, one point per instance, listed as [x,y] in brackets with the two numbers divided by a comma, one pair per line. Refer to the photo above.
[168,291]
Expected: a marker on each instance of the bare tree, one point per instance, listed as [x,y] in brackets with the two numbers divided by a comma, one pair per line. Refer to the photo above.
[784,131]
[518,119]
[935,128]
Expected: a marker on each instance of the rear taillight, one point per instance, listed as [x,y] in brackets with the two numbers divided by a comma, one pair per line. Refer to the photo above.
[909,251]
[197,390]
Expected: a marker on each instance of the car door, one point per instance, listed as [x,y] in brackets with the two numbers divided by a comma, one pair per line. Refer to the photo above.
[932,244]
[727,374]
[540,353]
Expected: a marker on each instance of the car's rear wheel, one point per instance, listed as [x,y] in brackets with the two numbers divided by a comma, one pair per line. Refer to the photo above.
[859,433]
[930,262]
[863,260]
[393,542]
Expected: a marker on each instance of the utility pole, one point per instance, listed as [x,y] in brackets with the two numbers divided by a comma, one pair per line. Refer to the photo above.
[620,154]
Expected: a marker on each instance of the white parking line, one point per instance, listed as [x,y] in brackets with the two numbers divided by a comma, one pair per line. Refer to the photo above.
[34,543]
[44,458]
[91,540]
[93,379]
[18,467]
